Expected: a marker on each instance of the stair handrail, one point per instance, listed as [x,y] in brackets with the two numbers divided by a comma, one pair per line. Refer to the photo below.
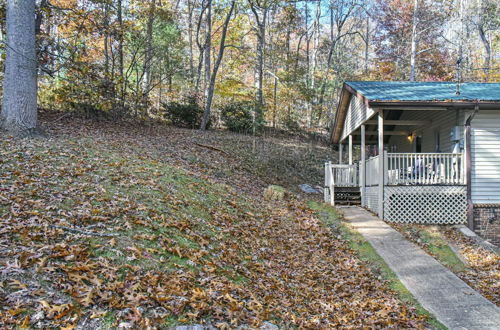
[329,189]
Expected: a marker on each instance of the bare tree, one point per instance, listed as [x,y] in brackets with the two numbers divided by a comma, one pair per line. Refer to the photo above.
[340,12]
[148,57]
[414,34]
[213,76]
[19,109]
[190,9]
[316,37]
[487,20]
[208,47]
[201,45]
[260,9]
[123,87]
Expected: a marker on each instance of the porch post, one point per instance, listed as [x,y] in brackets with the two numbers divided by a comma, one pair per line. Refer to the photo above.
[362,170]
[350,149]
[341,147]
[381,164]
[468,166]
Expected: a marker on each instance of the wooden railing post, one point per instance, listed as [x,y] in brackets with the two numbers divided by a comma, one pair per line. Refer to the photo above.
[362,167]
[386,168]
[332,185]
[381,164]
[326,187]
[350,150]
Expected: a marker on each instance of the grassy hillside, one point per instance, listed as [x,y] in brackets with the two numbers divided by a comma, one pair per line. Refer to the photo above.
[104,226]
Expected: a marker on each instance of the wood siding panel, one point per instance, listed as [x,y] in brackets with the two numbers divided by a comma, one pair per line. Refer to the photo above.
[485,151]
[357,113]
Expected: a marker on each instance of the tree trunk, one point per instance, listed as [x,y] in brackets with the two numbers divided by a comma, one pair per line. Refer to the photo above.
[106,41]
[308,60]
[261,21]
[260,60]
[367,43]
[190,38]
[317,32]
[201,49]
[275,107]
[413,57]
[329,60]
[148,58]
[213,77]
[487,47]
[208,48]
[19,110]
[120,56]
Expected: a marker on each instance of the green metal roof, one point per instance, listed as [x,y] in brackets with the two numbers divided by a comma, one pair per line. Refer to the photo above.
[425,91]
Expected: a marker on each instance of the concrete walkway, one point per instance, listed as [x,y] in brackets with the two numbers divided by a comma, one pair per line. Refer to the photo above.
[438,290]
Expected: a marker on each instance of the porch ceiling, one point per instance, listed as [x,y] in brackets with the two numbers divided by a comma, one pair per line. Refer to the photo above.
[392,127]
[395,97]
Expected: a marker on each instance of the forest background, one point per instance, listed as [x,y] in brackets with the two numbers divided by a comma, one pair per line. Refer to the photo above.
[279,63]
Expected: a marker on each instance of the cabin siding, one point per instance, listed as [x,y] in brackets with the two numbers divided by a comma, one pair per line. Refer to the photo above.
[441,122]
[357,113]
[485,157]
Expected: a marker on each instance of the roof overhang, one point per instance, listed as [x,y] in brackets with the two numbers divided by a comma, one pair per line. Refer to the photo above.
[348,92]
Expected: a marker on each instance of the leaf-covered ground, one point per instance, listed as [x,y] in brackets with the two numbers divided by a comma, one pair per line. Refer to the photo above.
[149,226]
[477,266]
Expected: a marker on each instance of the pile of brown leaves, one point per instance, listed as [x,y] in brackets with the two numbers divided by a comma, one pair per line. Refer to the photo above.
[482,266]
[114,228]
[483,272]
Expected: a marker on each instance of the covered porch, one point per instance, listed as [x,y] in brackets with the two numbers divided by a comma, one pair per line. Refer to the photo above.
[407,160]
[403,187]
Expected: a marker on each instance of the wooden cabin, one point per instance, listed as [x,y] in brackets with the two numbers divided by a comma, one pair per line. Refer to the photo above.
[419,152]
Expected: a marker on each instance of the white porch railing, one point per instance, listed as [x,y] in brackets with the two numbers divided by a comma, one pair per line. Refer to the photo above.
[345,175]
[339,175]
[401,169]
[372,170]
[425,169]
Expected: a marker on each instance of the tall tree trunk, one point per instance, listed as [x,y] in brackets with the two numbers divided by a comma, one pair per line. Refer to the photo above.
[287,64]
[260,59]
[123,86]
[275,103]
[213,77]
[208,48]
[333,40]
[19,110]
[339,15]
[261,20]
[148,58]
[317,32]
[487,48]
[413,57]
[190,32]
[306,27]
[308,60]
[367,43]
[106,40]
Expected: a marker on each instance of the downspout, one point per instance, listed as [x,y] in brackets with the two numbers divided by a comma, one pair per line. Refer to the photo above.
[468,164]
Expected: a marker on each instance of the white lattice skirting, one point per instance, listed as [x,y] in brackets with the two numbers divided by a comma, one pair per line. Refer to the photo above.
[425,204]
[371,198]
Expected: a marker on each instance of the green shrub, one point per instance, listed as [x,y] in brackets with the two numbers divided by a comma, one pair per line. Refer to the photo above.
[184,114]
[292,125]
[239,116]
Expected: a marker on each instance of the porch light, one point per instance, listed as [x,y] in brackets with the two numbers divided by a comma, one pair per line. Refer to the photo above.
[411,137]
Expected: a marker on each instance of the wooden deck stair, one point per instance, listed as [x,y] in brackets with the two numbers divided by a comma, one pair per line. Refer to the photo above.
[347,196]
